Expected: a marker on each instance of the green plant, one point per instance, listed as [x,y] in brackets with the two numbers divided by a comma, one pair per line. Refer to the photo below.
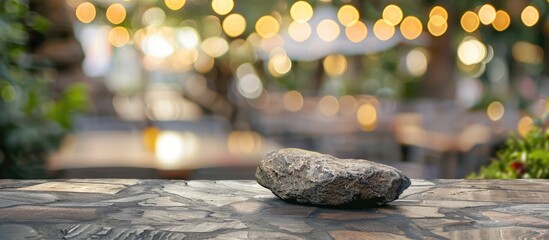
[526,157]
[33,119]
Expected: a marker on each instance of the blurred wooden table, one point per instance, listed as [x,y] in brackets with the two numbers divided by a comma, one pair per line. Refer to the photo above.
[163,209]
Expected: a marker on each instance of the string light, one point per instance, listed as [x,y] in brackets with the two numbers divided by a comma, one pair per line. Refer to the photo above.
[411,27]
[85,12]
[383,30]
[116,13]
[529,16]
[301,11]
[502,21]
[357,32]
[392,14]
[348,15]
[470,21]
[487,14]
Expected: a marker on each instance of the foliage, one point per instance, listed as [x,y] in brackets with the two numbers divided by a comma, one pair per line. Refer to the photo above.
[522,158]
[33,118]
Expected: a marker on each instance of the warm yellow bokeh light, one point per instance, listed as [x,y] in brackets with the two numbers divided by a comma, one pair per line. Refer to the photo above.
[116,13]
[347,105]
[487,14]
[367,117]
[392,14]
[85,12]
[299,31]
[526,52]
[292,101]
[174,4]
[437,21]
[215,46]
[301,11]
[471,51]
[356,32]
[417,61]
[348,15]
[222,7]
[279,64]
[328,30]
[119,36]
[328,106]
[470,21]
[411,27]
[495,110]
[243,142]
[383,30]
[502,21]
[525,125]
[335,65]
[530,16]
[436,30]
[438,11]
[267,26]
[234,25]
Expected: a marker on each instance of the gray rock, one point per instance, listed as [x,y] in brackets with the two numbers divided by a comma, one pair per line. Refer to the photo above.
[307,177]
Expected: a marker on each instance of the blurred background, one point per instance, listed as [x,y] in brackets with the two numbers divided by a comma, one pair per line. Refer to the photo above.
[202,89]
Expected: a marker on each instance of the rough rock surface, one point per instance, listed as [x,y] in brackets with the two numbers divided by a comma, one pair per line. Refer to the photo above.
[307,177]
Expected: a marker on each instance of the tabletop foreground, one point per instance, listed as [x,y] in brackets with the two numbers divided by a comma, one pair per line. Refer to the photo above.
[164,209]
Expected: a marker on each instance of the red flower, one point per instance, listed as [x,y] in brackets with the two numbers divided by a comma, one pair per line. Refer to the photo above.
[519,167]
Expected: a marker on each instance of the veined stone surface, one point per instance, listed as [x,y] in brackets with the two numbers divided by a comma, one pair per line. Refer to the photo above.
[313,178]
[155,209]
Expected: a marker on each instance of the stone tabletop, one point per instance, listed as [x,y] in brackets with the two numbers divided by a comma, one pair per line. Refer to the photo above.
[164,209]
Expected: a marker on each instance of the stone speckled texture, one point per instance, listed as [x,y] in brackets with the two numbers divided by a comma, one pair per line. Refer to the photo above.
[164,209]
[309,177]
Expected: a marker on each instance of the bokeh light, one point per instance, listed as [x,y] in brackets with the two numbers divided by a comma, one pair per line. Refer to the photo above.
[529,16]
[437,26]
[356,32]
[215,46]
[292,101]
[328,106]
[244,142]
[153,16]
[411,27]
[250,86]
[348,15]
[470,21]
[187,37]
[438,11]
[416,62]
[383,30]
[392,14]
[299,31]
[279,64]
[174,4]
[471,51]
[267,26]
[222,7]
[119,36]
[327,30]
[367,117]
[502,21]
[526,52]
[301,11]
[525,125]
[347,105]
[234,25]
[335,65]
[116,13]
[85,12]
[487,14]
[172,148]
[495,110]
